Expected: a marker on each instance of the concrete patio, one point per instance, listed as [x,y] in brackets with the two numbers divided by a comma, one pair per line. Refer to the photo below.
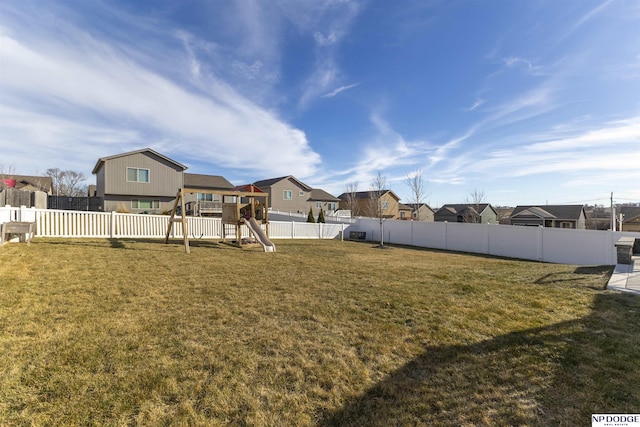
[626,277]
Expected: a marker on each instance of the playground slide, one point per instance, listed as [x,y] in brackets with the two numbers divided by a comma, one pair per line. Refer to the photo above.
[260,236]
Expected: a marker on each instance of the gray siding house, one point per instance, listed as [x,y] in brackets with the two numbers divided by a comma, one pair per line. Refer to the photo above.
[141,181]
[289,194]
[482,213]
[556,216]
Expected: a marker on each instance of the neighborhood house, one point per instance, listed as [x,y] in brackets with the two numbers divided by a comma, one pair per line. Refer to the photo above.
[141,181]
[289,194]
[482,213]
[555,216]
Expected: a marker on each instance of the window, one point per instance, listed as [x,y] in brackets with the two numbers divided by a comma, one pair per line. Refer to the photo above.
[288,194]
[331,206]
[402,214]
[301,193]
[145,204]
[319,205]
[385,205]
[566,224]
[203,197]
[137,175]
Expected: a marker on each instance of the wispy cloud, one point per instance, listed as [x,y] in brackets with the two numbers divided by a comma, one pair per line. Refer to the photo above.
[612,147]
[340,90]
[385,151]
[476,104]
[88,80]
[328,22]
[589,15]
[584,19]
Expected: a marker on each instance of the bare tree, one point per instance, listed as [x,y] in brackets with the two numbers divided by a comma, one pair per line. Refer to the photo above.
[72,184]
[474,200]
[351,198]
[56,177]
[376,204]
[67,183]
[419,190]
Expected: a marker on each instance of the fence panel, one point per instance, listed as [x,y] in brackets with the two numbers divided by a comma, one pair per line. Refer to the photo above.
[516,242]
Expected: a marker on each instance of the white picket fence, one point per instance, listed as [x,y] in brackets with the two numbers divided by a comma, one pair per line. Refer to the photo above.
[60,223]
[580,247]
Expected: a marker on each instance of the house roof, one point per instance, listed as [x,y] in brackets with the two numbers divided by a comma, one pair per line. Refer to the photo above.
[194,180]
[549,211]
[319,195]
[363,195]
[247,188]
[460,208]
[629,213]
[419,206]
[269,182]
[101,160]
[404,207]
[44,183]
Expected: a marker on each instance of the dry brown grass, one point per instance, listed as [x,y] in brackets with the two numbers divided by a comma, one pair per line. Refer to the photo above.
[98,332]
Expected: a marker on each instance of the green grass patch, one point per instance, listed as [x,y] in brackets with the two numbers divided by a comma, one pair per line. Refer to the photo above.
[119,332]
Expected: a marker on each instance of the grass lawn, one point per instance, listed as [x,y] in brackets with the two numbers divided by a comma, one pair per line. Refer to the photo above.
[329,333]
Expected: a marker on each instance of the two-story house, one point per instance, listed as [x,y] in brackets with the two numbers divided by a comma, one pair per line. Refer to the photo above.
[481,213]
[363,203]
[138,181]
[289,194]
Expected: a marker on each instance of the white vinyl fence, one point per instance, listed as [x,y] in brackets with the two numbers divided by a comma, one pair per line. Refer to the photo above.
[556,245]
[580,247]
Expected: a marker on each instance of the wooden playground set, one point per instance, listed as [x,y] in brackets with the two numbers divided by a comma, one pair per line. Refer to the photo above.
[245,205]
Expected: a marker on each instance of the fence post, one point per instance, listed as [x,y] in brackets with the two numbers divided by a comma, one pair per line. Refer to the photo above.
[488,238]
[541,244]
[112,229]
[293,229]
[446,237]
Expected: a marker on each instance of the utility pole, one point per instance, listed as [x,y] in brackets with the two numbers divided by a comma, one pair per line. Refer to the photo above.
[613,214]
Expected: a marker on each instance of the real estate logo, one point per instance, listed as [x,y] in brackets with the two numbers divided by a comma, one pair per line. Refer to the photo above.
[615,420]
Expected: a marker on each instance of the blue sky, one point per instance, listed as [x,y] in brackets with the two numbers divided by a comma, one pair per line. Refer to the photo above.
[530,102]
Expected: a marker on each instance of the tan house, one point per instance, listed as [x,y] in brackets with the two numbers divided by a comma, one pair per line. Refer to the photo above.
[364,204]
[630,218]
[404,211]
[421,212]
[289,194]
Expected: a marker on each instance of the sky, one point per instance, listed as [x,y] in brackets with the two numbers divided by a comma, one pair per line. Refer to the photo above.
[524,102]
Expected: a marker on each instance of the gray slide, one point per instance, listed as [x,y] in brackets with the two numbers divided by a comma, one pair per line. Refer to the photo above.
[260,236]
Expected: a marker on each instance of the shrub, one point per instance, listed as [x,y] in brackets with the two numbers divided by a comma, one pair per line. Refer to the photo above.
[310,216]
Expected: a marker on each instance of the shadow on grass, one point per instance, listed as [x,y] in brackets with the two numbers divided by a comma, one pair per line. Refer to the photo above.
[124,243]
[567,277]
[555,375]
